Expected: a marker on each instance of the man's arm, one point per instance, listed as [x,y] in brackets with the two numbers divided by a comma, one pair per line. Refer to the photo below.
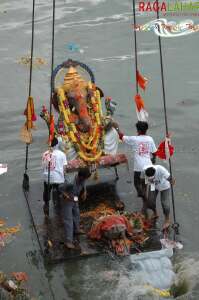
[153,151]
[171,180]
[65,163]
[67,196]
[116,126]
[124,138]
[153,158]
[83,194]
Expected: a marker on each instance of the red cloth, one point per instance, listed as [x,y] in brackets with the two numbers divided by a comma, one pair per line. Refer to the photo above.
[161,153]
[52,129]
[139,102]
[106,224]
[121,135]
[141,80]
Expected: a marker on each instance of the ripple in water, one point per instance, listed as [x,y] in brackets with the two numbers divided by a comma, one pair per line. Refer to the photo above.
[99,21]
[94,2]
[123,57]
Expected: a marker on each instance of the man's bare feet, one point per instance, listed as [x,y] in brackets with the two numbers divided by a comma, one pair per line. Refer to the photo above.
[166,224]
[69,245]
[80,231]
[145,213]
[46,210]
[154,216]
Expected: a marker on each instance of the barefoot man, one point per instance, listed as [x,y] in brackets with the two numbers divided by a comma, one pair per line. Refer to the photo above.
[159,181]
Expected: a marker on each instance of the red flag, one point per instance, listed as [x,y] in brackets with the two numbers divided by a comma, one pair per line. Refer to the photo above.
[141,80]
[142,114]
[52,129]
[165,149]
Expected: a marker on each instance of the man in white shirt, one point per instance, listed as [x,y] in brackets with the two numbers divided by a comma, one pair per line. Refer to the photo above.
[57,160]
[158,180]
[143,148]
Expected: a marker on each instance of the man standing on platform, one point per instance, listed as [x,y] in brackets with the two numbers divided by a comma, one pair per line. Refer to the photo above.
[71,215]
[159,181]
[56,160]
[144,149]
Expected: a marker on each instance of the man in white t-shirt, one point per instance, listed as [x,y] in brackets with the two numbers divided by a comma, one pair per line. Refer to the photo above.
[56,159]
[158,180]
[143,148]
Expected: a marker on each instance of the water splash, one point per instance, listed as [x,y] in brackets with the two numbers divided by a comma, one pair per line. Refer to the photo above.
[187,278]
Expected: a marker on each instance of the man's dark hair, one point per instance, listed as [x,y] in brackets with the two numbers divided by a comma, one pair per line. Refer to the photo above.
[54,142]
[142,127]
[150,171]
[84,173]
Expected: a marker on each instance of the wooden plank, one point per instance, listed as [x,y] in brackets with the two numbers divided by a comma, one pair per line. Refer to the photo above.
[106,161]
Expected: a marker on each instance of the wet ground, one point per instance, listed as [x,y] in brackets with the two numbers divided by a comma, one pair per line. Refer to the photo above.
[103,30]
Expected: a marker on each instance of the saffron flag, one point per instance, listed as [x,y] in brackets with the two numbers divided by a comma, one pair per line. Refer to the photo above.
[141,80]
[165,149]
[29,112]
[142,114]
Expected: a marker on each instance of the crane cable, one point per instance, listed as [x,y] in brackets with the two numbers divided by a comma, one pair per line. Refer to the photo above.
[135,46]
[26,177]
[51,85]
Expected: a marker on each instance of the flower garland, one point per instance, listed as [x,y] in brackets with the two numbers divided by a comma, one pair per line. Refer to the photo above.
[89,146]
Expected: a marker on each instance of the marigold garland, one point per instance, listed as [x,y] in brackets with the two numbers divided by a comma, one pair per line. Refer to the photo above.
[88,145]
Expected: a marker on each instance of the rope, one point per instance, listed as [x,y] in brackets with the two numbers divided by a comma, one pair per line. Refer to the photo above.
[51,83]
[135,46]
[26,178]
[175,224]
[32,47]
[33,222]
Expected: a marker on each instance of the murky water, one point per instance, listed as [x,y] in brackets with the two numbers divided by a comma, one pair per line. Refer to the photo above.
[103,30]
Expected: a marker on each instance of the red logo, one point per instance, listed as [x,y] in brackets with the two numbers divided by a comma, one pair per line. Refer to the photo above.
[48,158]
[152,6]
[143,149]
